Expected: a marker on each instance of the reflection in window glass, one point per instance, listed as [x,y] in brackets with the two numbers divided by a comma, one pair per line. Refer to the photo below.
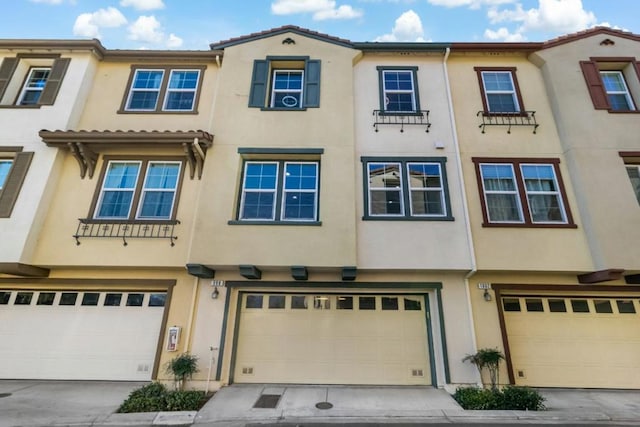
[46,298]
[344,303]
[299,302]
[135,300]
[4,297]
[603,306]
[579,305]
[389,303]
[511,304]
[276,301]
[68,298]
[534,304]
[253,301]
[90,298]
[625,306]
[412,304]
[157,300]
[113,300]
[367,303]
[321,303]
[23,298]
[557,306]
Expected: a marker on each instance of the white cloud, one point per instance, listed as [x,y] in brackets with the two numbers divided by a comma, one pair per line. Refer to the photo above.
[146,29]
[558,16]
[143,4]
[321,9]
[89,24]
[408,28]
[473,4]
[504,35]
[174,42]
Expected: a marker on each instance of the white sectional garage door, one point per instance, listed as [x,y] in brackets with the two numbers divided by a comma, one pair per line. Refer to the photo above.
[332,339]
[574,341]
[79,335]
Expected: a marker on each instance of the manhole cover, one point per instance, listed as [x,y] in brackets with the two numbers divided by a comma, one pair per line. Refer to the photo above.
[5,395]
[324,405]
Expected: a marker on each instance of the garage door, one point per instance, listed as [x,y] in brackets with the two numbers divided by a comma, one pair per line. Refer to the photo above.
[75,335]
[332,339]
[575,341]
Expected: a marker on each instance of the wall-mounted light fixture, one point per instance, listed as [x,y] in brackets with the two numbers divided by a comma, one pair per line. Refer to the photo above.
[486,295]
[215,293]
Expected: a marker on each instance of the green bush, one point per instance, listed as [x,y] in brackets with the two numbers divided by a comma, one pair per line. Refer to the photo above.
[155,397]
[510,398]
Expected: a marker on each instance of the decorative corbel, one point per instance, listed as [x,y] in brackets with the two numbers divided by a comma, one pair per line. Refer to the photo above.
[195,157]
[87,158]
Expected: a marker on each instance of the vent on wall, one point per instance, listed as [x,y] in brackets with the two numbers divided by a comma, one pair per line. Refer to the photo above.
[521,374]
[417,373]
[247,370]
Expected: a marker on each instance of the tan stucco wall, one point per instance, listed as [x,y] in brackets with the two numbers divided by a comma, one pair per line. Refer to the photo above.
[502,248]
[592,139]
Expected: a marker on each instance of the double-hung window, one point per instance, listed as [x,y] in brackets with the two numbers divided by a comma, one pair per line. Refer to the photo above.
[279,191]
[138,189]
[522,192]
[5,167]
[617,91]
[14,164]
[287,89]
[406,188]
[634,176]
[613,83]
[34,85]
[398,89]
[163,90]
[500,91]
[31,79]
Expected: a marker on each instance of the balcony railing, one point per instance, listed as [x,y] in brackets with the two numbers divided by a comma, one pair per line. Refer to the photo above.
[413,118]
[124,230]
[521,118]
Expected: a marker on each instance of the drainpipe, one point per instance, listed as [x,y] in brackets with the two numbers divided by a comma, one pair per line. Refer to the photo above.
[465,205]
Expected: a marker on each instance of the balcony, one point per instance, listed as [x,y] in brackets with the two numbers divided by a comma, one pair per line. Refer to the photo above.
[124,230]
[413,118]
[521,118]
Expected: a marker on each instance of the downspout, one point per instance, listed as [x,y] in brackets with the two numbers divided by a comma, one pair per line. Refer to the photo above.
[465,205]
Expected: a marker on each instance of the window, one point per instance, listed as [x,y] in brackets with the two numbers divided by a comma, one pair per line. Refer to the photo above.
[634,176]
[14,164]
[31,80]
[138,189]
[613,83]
[68,298]
[46,298]
[500,91]
[163,90]
[112,300]
[135,300]
[279,191]
[406,188]
[4,297]
[157,300]
[285,83]
[23,298]
[90,298]
[527,192]
[398,89]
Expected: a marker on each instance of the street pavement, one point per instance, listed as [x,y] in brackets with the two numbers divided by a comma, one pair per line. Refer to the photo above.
[93,403]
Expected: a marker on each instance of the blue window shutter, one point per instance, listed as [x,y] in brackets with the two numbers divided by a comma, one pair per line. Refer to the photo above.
[259,83]
[312,84]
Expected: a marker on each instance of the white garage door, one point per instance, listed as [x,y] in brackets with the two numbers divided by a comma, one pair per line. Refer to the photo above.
[75,335]
[332,339]
[575,341]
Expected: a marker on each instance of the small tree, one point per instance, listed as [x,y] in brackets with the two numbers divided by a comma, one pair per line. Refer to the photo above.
[488,358]
[182,367]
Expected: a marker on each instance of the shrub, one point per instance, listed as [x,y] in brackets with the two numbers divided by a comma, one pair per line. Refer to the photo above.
[476,398]
[155,397]
[522,398]
[190,400]
[182,367]
[510,398]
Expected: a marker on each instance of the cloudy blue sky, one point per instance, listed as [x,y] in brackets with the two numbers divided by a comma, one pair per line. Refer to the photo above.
[193,24]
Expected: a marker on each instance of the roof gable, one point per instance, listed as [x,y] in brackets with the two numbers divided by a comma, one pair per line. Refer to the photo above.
[281,30]
[607,31]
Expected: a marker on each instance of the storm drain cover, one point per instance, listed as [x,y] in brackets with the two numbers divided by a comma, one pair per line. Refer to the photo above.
[267,401]
[324,405]
[5,395]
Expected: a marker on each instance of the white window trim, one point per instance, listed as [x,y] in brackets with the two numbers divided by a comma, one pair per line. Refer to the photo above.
[152,190]
[132,89]
[274,91]
[26,88]
[400,91]
[514,192]
[427,190]
[285,191]
[259,190]
[511,92]
[626,92]
[104,188]
[6,161]
[169,90]
[400,190]
[544,193]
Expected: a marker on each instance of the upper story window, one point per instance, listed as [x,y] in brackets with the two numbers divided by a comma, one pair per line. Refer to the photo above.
[285,83]
[500,90]
[163,90]
[5,167]
[138,189]
[406,188]
[613,83]
[14,164]
[31,80]
[398,89]
[632,165]
[527,192]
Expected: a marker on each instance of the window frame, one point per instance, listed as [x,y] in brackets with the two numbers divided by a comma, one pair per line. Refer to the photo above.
[10,191]
[163,90]
[26,88]
[631,160]
[406,210]
[9,161]
[138,191]
[628,67]
[413,70]
[517,95]
[274,90]
[522,193]
[626,93]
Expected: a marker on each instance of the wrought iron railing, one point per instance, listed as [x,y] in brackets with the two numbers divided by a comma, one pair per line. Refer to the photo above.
[88,227]
[521,118]
[413,118]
